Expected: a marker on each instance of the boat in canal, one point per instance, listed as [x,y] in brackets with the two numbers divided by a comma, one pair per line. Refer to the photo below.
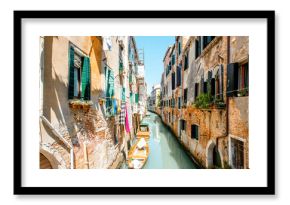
[138,154]
[143,132]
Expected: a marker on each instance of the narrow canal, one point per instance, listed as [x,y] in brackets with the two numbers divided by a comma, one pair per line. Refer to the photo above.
[165,151]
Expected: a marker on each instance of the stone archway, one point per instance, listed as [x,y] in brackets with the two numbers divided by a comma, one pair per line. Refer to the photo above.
[54,159]
[213,156]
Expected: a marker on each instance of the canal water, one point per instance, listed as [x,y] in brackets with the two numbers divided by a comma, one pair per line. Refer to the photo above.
[165,151]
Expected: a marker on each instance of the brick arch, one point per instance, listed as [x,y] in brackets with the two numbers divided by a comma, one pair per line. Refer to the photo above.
[53,156]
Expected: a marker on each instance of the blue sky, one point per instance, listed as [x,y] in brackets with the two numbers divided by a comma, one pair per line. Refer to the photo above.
[154,51]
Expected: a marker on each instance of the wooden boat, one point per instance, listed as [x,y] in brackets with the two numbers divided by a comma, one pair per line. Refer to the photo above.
[143,132]
[138,154]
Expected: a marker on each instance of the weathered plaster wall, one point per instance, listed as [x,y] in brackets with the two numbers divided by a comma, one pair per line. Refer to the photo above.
[77,126]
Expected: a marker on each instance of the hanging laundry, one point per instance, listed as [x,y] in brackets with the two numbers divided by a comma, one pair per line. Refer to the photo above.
[115,106]
[123,113]
[130,115]
[119,106]
[127,125]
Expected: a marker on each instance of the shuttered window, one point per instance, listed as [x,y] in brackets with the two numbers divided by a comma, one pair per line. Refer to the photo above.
[131,98]
[185,62]
[86,84]
[244,79]
[173,81]
[197,48]
[79,76]
[178,83]
[194,132]
[136,98]
[207,40]
[173,59]
[232,79]
[185,96]
[179,48]
[109,90]
[196,89]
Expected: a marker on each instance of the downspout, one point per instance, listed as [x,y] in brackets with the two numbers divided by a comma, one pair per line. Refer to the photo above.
[227,100]
[57,134]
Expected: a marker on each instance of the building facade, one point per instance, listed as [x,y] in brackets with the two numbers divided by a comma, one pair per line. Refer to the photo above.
[86,112]
[205,98]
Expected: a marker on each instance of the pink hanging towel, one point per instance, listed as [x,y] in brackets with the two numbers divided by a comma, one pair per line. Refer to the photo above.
[127,126]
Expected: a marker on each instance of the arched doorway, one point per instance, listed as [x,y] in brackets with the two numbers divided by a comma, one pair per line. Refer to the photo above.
[50,158]
[44,162]
[213,157]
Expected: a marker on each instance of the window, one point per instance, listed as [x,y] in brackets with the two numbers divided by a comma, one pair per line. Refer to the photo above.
[185,96]
[179,102]
[79,75]
[121,66]
[109,90]
[186,61]
[137,98]
[173,81]
[205,87]
[194,132]
[237,79]
[197,47]
[212,87]
[172,102]
[237,153]
[179,47]
[196,89]
[243,79]
[178,83]
[207,40]
[183,125]
[173,59]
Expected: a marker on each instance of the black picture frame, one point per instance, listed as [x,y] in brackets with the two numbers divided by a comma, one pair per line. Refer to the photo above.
[268,190]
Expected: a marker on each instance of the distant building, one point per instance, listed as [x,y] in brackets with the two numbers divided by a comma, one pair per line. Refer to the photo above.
[155,97]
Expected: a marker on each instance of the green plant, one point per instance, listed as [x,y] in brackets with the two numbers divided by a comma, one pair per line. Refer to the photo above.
[204,100]
[243,92]
[219,103]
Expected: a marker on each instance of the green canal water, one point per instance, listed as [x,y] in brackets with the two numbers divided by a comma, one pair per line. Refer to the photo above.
[165,151]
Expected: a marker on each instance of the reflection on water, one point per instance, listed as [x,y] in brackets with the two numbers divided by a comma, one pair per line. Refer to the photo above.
[165,150]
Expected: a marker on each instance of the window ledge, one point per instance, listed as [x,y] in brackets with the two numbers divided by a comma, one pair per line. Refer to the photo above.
[80,104]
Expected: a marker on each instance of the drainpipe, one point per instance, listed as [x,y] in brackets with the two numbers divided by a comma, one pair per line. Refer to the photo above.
[57,134]
[227,99]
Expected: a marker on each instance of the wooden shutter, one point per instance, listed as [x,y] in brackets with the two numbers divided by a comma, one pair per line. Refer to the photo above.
[173,81]
[232,79]
[178,76]
[221,81]
[71,73]
[86,80]
[136,98]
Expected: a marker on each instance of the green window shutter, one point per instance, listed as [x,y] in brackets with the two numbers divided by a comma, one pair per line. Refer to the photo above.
[131,98]
[232,79]
[86,87]
[71,73]
[136,98]
[109,91]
